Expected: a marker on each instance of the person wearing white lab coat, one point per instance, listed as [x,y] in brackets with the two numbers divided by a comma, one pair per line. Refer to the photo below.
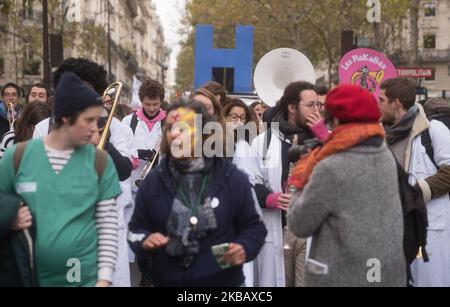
[436,272]
[242,128]
[146,127]
[268,267]
[268,169]
[409,123]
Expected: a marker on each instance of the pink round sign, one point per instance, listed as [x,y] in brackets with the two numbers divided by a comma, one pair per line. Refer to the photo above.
[366,68]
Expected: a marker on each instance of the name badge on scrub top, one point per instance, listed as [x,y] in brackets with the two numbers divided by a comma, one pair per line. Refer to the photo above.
[26,187]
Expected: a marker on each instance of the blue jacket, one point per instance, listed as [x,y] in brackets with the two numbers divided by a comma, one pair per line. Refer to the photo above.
[237,221]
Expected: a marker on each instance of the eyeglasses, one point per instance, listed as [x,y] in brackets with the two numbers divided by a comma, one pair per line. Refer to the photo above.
[236,117]
[318,105]
[13,95]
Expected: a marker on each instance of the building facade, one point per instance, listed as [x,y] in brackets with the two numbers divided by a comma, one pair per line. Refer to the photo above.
[136,44]
[433,48]
[434,45]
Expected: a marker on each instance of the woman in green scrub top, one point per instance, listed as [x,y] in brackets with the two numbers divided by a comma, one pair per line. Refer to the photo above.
[58,181]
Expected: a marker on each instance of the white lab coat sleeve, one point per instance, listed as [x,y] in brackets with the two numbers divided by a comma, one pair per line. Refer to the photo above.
[41,129]
[252,164]
[121,137]
[440,138]
[127,122]
[436,272]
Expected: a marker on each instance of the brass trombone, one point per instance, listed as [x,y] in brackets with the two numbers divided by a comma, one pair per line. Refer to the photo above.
[148,167]
[114,91]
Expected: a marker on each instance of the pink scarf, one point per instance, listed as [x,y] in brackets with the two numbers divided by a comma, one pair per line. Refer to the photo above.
[151,123]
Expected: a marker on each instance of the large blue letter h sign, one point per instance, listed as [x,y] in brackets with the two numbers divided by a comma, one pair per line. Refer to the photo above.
[241,58]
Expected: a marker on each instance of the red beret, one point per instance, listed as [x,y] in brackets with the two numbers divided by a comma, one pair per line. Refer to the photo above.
[352,104]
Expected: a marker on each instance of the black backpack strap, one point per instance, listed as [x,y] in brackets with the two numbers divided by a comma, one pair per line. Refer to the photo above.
[134,122]
[101,158]
[18,154]
[267,139]
[409,277]
[426,142]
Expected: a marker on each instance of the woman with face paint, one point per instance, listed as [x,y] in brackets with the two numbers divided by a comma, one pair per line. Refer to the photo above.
[195,216]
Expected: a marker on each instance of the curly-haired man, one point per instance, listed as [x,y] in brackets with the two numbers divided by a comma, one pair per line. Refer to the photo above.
[146,124]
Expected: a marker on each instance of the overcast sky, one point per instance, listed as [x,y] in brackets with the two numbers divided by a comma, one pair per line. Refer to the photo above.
[170,13]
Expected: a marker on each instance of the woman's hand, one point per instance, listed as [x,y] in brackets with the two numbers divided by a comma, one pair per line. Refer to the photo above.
[155,241]
[23,220]
[235,255]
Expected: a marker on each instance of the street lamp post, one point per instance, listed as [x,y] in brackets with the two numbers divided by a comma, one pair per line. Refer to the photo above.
[45,43]
[164,68]
[109,42]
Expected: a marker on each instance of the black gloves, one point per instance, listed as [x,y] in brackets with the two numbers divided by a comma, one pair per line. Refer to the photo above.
[147,155]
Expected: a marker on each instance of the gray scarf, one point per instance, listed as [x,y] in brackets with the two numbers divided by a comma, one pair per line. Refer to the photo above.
[402,129]
[185,238]
[289,130]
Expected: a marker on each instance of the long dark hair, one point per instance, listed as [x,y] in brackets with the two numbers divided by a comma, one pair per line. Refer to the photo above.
[292,95]
[218,112]
[32,114]
[217,89]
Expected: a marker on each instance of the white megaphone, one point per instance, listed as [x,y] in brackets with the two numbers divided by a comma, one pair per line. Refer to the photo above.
[277,69]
